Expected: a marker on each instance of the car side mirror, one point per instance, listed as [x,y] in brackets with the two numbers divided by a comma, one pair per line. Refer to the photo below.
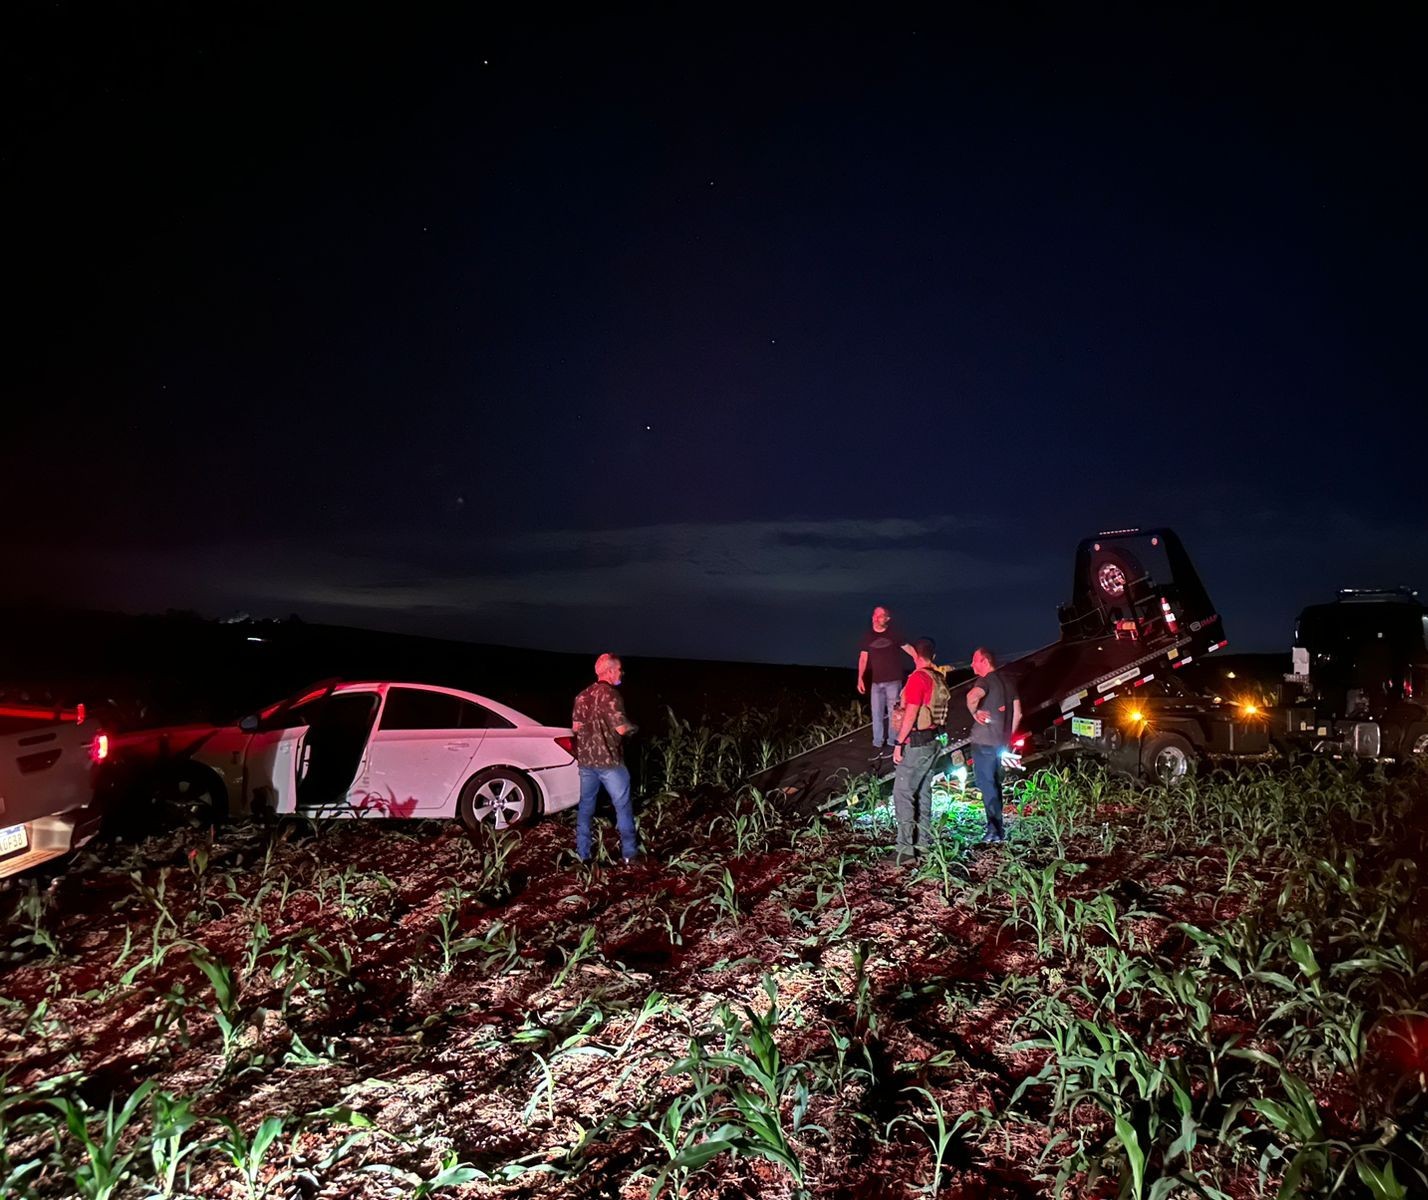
[248,724]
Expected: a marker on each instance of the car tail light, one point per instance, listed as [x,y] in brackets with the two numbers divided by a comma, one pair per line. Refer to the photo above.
[566,742]
[99,748]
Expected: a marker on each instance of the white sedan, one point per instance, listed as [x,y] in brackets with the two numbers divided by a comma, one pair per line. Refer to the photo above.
[363,750]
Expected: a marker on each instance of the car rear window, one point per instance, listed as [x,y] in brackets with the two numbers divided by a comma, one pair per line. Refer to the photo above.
[478,716]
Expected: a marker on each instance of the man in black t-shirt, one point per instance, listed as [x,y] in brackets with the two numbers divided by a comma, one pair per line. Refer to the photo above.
[882,662]
[996,713]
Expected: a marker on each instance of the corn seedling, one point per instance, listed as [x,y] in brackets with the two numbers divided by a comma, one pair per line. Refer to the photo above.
[173,1118]
[248,1154]
[30,913]
[585,948]
[104,1166]
[941,1136]
[226,1012]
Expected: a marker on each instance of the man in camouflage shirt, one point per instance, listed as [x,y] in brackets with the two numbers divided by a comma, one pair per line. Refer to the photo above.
[600,725]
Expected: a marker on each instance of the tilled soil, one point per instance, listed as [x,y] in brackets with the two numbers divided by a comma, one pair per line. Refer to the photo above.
[405,997]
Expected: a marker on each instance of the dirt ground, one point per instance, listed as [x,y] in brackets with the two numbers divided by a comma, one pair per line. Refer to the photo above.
[766,1006]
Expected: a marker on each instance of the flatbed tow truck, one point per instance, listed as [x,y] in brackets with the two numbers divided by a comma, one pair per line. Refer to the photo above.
[1137,615]
[1113,686]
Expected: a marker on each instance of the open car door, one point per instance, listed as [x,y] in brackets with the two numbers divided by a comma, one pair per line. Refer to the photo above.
[275,765]
[280,747]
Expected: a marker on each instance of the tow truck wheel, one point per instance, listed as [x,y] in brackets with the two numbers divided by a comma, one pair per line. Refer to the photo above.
[1166,758]
[500,798]
[1415,743]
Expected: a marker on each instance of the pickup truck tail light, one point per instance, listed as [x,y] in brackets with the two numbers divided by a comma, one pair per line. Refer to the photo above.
[567,743]
[99,748]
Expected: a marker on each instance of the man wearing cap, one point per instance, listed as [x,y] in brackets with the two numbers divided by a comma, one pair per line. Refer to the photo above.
[600,725]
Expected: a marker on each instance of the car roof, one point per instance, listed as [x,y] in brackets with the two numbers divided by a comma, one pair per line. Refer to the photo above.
[513,715]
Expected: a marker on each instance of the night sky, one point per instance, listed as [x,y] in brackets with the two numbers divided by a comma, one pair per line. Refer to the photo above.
[673,340]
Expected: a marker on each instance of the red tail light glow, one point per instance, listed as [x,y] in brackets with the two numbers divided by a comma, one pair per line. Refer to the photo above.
[567,743]
[39,712]
[99,749]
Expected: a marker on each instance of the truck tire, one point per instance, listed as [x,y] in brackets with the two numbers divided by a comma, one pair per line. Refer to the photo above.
[1112,572]
[1166,758]
[1415,743]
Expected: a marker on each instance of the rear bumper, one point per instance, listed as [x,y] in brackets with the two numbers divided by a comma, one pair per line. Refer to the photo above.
[560,786]
[52,837]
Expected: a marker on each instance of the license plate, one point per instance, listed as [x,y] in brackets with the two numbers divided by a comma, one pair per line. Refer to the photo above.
[1085,727]
[14,838]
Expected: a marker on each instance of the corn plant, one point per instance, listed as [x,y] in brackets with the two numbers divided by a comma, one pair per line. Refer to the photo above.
[173,1118]
[104,1166]
[748,1122]
[1035,904]
[226,1013]
[726,898]
[248,1153]
[684,1131]
[30,914]
[864,1006]
[485,863]
[833,1076]
[943,863]
[585,948]
[941,1136]
[22,1116]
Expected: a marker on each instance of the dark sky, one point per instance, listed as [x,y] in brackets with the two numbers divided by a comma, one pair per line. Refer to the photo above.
[685,341]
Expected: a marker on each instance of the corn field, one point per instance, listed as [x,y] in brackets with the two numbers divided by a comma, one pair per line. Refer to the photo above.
[1213,990]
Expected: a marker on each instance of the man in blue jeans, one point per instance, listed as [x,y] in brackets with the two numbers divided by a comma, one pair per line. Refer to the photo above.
[996,713]
[600,725]
[882,663]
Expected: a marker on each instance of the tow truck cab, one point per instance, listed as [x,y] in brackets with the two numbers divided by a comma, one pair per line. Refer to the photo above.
[1359,684]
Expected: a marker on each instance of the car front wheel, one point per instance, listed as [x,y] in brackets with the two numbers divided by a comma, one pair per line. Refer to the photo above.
[500,798]
[186,796]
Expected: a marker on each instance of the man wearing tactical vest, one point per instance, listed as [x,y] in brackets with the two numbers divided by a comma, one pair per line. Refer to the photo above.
[918,721]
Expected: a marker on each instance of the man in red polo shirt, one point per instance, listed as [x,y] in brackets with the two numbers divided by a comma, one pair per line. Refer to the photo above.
[924,717]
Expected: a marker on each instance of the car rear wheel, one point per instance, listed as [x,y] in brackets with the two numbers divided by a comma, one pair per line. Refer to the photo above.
[1166,758]
[501,798]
